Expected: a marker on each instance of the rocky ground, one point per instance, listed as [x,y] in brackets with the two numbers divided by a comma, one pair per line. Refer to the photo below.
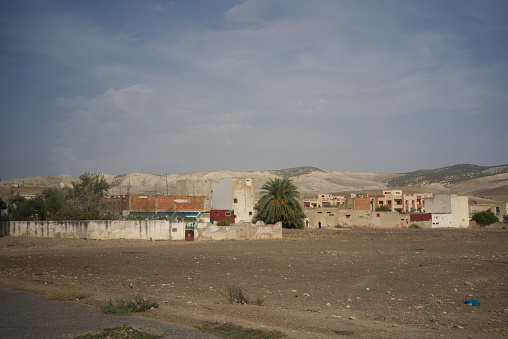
[375,283]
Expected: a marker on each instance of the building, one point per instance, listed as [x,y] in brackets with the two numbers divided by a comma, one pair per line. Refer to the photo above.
[500,209]
[160,206]
[448,210]
[324,200]
[234,195]
[397,201]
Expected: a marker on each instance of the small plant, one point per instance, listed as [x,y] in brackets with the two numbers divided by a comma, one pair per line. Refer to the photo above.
[224,222]
[414,226]
[232,331]
[339,226]
[127,307]
[235,295]
[505,218]
[383,208]
[120,333]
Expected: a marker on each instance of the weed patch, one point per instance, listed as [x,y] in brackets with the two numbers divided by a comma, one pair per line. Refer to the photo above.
[137,304]
[231,331]
[235,295]
[67,292]
[121,333]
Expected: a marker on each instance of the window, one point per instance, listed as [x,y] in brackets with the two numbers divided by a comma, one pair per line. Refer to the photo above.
[235,201]
[228,214]
[380,202]
[348,216]
[389,202]
[216,213]
[250,213]
[497,209]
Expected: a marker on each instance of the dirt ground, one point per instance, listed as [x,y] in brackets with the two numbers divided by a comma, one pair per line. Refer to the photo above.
[399,283]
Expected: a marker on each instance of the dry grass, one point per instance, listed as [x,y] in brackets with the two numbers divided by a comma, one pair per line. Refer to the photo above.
[67,292]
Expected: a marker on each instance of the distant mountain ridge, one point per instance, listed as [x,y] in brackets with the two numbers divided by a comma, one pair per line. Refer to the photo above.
[461,179]
[445,175]
[296,171]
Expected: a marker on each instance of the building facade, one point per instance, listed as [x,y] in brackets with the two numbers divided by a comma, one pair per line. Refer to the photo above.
[324,200]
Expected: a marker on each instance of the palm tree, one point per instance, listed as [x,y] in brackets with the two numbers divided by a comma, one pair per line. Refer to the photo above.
[280,203]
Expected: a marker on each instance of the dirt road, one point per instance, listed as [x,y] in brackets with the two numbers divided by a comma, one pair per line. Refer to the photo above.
[375,283]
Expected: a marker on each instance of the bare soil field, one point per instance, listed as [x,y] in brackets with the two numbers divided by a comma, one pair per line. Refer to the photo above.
[398,283]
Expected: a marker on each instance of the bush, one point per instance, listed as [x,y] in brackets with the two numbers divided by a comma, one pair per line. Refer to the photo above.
[485,218]
[127,307]
[224,222]
[383,208]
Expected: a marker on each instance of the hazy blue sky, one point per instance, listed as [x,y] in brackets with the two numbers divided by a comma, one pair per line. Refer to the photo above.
[125,86]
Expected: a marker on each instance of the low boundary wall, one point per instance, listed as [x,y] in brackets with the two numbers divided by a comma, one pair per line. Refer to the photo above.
[134,229]
[247,231]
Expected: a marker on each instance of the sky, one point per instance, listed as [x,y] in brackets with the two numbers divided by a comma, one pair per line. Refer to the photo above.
[152,86]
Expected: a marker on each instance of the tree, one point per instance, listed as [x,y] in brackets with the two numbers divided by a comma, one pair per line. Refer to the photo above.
[21,208]
[485,217]
[87,195]
[383,208]
[81,202]
[280,203]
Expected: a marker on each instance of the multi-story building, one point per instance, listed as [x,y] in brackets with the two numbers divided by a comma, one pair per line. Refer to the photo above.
[397,201]
[235,195]
[324,200]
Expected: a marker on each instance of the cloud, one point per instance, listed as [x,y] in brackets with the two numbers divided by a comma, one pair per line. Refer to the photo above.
[179,81]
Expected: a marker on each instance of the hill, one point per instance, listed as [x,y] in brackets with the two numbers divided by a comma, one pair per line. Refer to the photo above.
[461,179]
[446,175]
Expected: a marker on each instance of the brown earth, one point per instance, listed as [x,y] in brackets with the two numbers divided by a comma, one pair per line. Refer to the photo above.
[401,283]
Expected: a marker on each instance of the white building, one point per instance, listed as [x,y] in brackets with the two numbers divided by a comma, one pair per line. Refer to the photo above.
[235,194]
[448,210]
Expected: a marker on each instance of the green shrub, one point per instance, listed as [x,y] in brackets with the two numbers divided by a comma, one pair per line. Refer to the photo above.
[137,304]
[485,217]
[121,332]
[232,331]
[224,222]
[383,208]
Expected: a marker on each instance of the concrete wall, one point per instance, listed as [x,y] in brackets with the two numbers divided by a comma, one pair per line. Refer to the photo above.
[194,188]
[443,220]
[134,229]
[222,194]
[390,220]
[246,231]
[354,218]
[328,216]
[98,229]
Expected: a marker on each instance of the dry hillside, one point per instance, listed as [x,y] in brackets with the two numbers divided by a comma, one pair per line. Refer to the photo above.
[309,180]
